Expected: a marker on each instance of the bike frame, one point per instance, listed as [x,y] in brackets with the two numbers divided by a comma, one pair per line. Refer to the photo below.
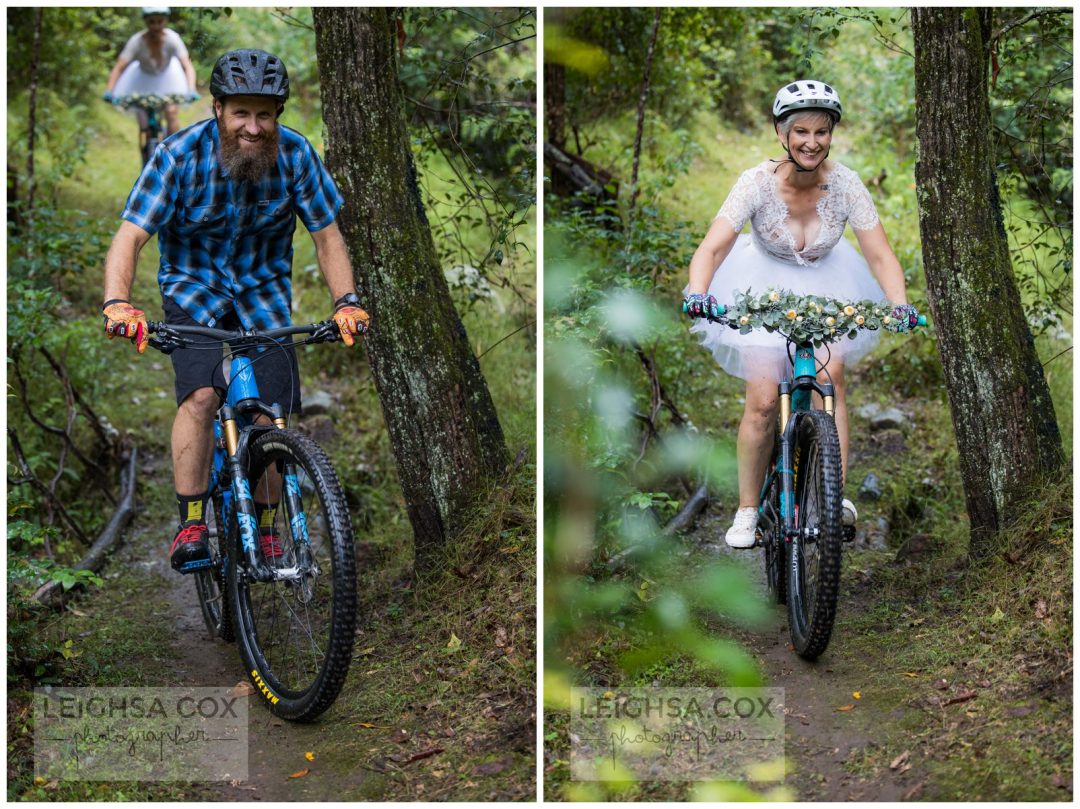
[234,429]
[152,132]
[795,398]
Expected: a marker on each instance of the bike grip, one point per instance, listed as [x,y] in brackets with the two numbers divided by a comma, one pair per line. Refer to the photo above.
[685,307]
[721,309]
[922,320]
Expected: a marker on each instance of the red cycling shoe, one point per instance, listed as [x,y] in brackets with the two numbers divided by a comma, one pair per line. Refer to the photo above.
[190,549]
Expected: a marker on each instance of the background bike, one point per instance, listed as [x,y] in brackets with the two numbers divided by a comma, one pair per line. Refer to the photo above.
[800,521]
[289,601]
[151,111]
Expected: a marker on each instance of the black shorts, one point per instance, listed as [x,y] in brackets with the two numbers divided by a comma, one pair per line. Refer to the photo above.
[276,371]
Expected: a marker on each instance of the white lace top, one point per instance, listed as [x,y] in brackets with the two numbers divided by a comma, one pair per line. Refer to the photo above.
[755,197]
[137,50]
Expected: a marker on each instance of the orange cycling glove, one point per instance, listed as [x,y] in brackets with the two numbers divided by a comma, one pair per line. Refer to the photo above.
[124,320]
[350,318]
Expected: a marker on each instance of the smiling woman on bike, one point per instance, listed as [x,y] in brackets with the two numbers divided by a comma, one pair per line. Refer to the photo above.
[798,208]
[154,62]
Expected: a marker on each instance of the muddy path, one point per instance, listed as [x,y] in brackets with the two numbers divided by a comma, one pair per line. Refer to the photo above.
[276,749]
[826,745]
[414,721]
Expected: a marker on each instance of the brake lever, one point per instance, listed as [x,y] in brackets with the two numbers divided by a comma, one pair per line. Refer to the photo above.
[167,340]
[326,332]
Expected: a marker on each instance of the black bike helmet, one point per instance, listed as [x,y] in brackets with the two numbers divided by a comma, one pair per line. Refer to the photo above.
[249,72]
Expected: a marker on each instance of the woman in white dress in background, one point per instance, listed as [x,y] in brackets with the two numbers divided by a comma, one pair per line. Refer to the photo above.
[798,208]
[154,61]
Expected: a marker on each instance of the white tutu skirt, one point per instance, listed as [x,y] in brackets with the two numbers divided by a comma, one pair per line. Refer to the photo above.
[136,80]
[841,274]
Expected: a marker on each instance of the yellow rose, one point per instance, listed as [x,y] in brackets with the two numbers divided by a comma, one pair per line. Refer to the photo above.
[832,331]
[849,310]
[798,319]
[774,296]
[830,321]
[860,320]
[887,320]
[792,314]
[744,320]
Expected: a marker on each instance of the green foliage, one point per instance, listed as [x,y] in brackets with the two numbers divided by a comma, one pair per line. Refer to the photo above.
[48,262]
[705,57]
[1031,111]
[31,652]
[469,82]
[605,491]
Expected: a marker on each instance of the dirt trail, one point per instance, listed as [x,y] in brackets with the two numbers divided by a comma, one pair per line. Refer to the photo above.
[276,747]
[825,746]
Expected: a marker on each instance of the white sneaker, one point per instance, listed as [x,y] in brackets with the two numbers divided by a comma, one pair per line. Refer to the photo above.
[743,531]
[850,515]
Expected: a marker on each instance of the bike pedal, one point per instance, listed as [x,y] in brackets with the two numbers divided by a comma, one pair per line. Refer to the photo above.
[191,567]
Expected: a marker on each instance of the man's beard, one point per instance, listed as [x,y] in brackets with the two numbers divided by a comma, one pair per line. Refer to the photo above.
[247,165]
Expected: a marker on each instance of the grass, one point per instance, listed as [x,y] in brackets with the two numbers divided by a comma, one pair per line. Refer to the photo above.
[449,657]
[116,641]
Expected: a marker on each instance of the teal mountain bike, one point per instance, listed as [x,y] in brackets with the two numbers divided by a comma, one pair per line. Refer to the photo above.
[290,604]
[800,521]
[151,112]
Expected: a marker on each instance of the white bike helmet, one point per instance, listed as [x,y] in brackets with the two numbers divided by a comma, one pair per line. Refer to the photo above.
[152,11]
[806,94]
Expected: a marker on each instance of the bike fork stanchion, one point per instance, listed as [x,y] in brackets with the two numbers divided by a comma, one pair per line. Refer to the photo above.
[784,460]
[294,501]
[244,505]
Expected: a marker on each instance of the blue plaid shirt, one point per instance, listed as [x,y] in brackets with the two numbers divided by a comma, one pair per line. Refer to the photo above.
[228,246]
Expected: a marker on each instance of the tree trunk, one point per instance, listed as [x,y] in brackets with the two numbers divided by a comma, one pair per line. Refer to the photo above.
[442,423]
[555,104]
[31,121]
[644,97]
[1006,431]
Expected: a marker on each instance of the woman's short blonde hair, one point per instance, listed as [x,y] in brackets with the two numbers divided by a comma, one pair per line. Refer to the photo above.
[785,124]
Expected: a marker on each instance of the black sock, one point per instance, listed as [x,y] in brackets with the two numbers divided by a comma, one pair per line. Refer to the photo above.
[265,516]
[191,507]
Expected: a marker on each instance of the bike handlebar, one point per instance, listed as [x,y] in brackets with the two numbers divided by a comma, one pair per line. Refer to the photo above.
[170,336]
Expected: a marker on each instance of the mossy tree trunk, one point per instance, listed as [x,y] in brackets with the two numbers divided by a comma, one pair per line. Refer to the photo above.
[442,423]
[1006,431]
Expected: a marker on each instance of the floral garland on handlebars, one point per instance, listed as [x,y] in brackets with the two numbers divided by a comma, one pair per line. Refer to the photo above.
[150,101]
[813,318]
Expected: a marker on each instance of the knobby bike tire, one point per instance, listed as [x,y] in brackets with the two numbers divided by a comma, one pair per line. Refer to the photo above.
[773,532]
[814,563]
[210,585]
[296,637]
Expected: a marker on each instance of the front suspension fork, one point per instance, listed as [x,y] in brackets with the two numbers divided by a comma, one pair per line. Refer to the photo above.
[246,515]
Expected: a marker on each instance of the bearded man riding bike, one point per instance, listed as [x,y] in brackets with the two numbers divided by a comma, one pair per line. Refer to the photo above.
[223,196]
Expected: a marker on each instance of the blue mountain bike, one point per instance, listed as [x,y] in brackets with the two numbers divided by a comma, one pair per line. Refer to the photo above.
[284,587]
[800,511]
